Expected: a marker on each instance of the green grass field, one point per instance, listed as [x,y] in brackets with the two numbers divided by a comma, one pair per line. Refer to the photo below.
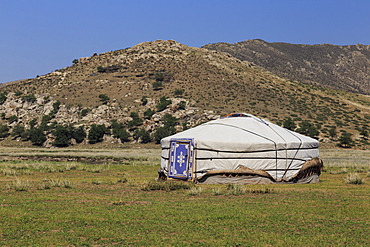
[45,203]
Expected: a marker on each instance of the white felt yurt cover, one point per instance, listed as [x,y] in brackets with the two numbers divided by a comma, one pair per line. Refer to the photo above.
[233,142]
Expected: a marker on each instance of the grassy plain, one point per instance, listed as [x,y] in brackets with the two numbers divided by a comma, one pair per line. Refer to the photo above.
[75,203]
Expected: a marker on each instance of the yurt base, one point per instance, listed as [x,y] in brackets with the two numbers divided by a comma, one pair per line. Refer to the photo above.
[309,173]
[250,179]
[231,179]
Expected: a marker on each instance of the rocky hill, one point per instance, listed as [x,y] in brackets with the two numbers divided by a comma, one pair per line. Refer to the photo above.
[157,88]
[337,67]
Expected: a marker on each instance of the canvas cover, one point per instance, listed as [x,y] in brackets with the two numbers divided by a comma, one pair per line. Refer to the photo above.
[233,143]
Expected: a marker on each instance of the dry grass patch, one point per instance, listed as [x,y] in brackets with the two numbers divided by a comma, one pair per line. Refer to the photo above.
[237,189]
[59,182]
[195,191]
[217,192]
[20,185]
[354,178]
[167,185]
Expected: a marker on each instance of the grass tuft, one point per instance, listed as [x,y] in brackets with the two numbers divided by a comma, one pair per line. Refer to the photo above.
[96,182]
[60,183]
[341,171]
[19,185]
[119,203]
[50,169]
[354,178]
[70,167]
[43,186]
[166,185]
[240,189]
[236,189]
[27,172]
[98,169]
[195,191]
[122,180]
[9,172]
[261,190]
[216,192]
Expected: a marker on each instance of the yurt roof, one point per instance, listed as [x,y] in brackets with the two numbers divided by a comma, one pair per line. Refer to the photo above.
[242,132]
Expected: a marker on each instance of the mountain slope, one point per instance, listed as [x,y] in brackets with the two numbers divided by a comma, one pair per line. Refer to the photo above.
[208,83]
[337,67]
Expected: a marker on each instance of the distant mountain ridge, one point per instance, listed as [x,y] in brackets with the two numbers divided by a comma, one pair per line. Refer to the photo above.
[338,67]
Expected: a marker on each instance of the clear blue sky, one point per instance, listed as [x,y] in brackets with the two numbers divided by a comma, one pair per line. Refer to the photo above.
[40,36]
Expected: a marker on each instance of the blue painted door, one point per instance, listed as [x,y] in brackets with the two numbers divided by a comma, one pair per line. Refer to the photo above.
[181,159]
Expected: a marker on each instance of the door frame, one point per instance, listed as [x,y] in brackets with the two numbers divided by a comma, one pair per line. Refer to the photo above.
[189,161]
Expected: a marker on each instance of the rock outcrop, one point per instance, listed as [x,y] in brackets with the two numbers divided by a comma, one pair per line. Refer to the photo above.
[17,110]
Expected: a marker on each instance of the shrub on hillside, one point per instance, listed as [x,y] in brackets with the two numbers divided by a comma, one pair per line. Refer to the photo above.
[29,98]
[56,107]
[2,98]
[159,76]
[136,120]
[119,131]
[104,98]
[148,113]
[169,120]
[142,135]
[144,100]
[178,92]
[79,134]
[84,112]
[18,130]
[62,136]
[25,136]
[44,122]
[37,136]
[46,118]
[345,140]
[333,132]
[185,126]
[100,69]
[46,99]
[364,132]
[12,118]
[181,105]
[122,134]
[162,132]
[163,103]
[4,130]
[168,129]
[289,124]
[157,85]
[33,123]
[307,128]
[97,133]
[115,125]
